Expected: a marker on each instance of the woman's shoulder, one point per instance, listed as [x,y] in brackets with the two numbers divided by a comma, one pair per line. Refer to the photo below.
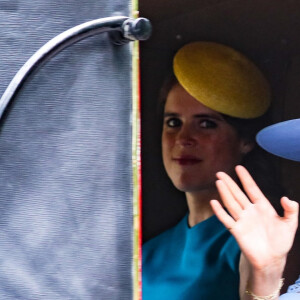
[167,235]
[201,236]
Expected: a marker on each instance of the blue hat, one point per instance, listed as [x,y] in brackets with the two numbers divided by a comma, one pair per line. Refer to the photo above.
[281,139]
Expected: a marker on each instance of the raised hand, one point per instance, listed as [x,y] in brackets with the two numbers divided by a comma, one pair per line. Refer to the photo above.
[263,236]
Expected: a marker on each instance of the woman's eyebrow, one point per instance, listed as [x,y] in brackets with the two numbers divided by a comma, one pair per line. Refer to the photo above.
[169,114]
[209,116]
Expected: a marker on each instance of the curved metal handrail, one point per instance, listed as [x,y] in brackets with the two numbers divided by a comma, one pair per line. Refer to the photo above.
[122,30]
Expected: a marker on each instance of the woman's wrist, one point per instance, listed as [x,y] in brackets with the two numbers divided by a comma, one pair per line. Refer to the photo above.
[273,296]
[267,280]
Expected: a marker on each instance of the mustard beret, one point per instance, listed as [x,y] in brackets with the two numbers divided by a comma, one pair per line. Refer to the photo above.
[222,79]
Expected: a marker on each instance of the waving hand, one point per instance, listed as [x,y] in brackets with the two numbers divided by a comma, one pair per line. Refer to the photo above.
[263,236]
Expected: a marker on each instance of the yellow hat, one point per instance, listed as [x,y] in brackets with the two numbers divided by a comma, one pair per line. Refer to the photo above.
[222,79]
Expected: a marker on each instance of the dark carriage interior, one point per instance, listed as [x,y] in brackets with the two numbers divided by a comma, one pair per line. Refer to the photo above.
[267,32]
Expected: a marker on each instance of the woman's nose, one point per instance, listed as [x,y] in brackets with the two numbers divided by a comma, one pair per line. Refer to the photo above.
[185,137]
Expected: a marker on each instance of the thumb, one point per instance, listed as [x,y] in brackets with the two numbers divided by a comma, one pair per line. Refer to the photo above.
[291,209]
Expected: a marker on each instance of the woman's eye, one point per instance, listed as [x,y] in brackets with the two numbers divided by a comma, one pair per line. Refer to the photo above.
[208,124]
[173,122]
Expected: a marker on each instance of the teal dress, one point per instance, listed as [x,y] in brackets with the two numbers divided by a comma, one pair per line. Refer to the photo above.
[195,263]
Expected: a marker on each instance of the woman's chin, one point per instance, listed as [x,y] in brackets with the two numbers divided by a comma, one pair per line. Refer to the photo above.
[188,187]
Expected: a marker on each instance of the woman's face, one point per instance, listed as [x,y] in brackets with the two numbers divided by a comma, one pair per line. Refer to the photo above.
[197,143]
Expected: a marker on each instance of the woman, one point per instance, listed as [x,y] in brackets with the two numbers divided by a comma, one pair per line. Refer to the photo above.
[233,250]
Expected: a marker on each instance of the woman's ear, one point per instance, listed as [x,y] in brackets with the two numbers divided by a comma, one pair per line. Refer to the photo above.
[247,146]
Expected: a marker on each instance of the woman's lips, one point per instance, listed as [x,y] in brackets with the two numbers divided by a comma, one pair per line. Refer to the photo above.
[187,160]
